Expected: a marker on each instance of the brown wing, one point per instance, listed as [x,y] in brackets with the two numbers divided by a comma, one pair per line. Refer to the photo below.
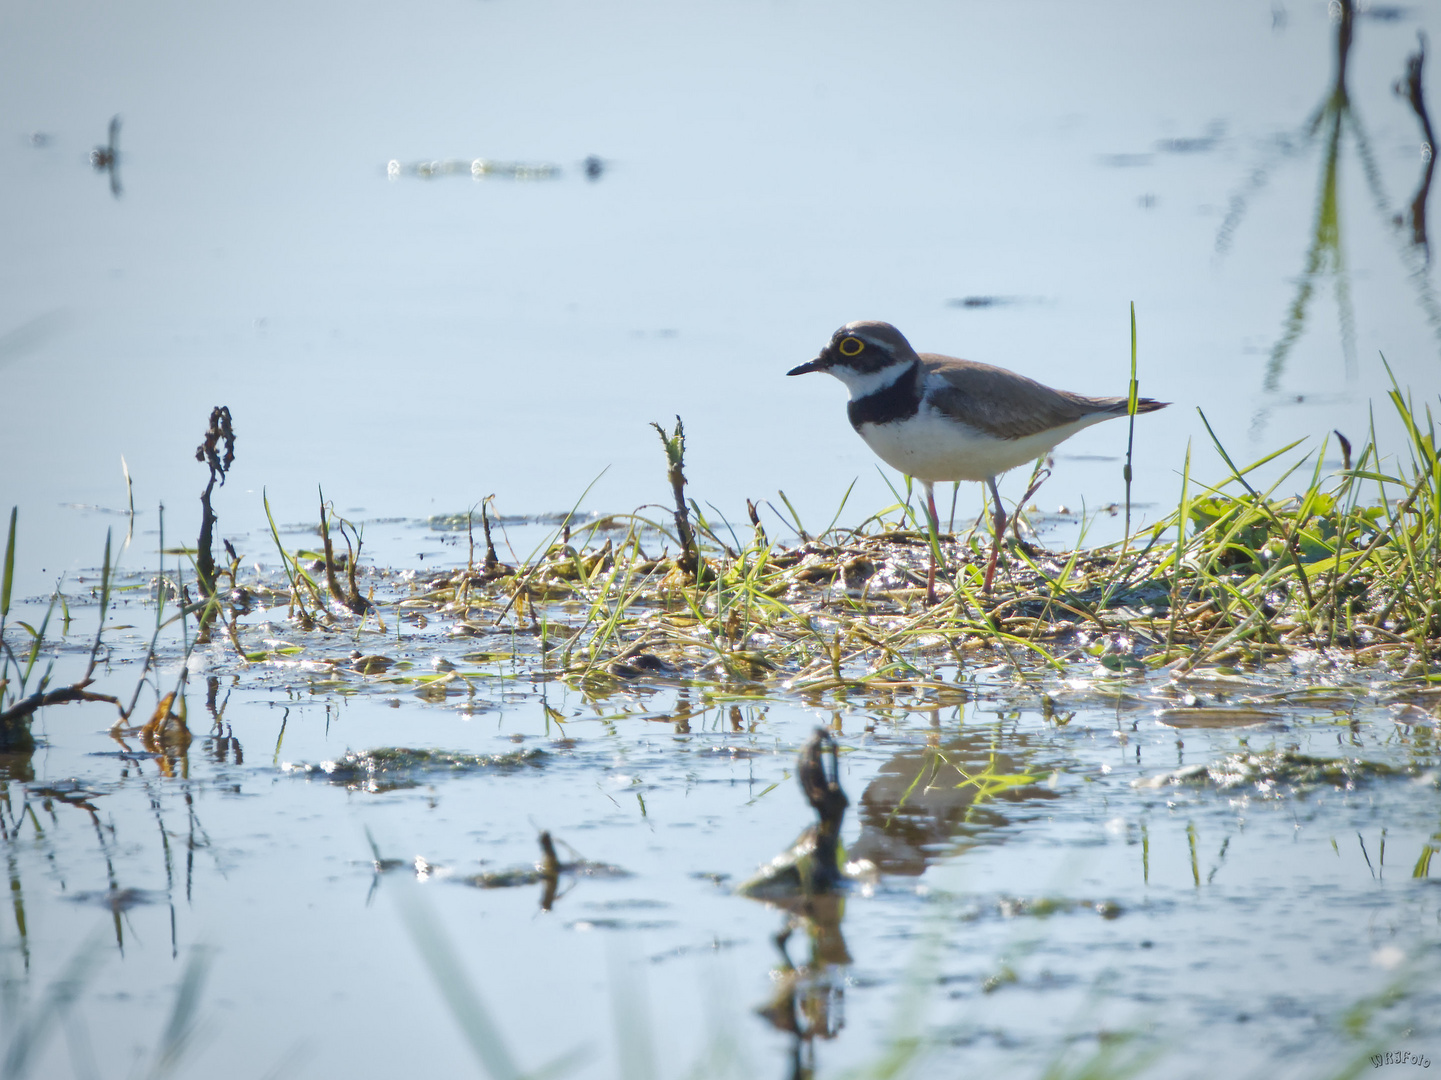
[1011,406]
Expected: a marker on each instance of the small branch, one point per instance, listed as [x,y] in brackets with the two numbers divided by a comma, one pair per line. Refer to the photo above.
[27,706]
[689,558]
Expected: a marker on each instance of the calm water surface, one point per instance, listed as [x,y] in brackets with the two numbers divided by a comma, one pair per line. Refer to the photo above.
[771,171]
[1232,923]
[1000,181]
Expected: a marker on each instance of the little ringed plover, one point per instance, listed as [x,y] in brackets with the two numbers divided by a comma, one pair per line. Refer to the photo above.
[939,418]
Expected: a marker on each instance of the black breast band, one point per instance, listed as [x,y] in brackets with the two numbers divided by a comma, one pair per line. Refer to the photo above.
[899,401]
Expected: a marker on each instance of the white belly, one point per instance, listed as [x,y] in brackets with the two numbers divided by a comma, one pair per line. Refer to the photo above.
[930,446]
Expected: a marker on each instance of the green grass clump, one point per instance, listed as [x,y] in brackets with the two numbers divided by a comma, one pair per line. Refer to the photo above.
[1346,567]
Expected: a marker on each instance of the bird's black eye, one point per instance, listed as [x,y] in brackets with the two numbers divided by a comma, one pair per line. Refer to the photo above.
[851,346]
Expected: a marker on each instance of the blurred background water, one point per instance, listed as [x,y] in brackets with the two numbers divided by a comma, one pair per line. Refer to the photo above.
[1000,181]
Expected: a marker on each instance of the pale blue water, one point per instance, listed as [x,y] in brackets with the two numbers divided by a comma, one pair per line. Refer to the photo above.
[772,170]
[1229,929]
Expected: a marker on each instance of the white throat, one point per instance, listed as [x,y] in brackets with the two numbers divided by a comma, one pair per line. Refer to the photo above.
[863,383]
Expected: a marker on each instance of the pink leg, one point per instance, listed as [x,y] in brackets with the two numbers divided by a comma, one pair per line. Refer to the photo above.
[936,540]
[1000,524]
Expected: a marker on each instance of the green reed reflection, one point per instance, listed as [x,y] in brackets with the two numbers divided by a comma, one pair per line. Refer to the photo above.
[1332,121]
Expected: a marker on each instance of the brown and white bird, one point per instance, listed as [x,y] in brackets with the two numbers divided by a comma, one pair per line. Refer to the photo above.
[939,418]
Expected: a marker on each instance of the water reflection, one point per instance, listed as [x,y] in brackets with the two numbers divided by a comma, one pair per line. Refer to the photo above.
[164,740]
[18,765]
[221,744]
[1334,118]
[48,828]
[806,883]
[1409,87]
[923,805]
[165,737]
[809,1000]
[931,803]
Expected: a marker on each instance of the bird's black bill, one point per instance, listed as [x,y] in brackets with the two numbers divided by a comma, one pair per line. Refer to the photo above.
[810,365]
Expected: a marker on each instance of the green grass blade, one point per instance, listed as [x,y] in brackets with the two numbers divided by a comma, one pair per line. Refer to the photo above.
[459,994]
[1132,399]
[275,533]
[104,606]
[844,499]
[8,581]
[800,529]
[180,1027]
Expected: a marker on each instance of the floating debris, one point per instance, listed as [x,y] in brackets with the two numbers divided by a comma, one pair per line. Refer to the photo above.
[1014,907]
[986,301]
[811,865]
[549,870]
[1220,716]
[1124,161]
[639,665]
[372,665]
[475,168]
[397,767]
[1193,144]
[106,158]
[1272,770]
[119,900]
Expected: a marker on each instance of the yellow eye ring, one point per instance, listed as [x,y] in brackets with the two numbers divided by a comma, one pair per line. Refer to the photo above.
[851,346]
